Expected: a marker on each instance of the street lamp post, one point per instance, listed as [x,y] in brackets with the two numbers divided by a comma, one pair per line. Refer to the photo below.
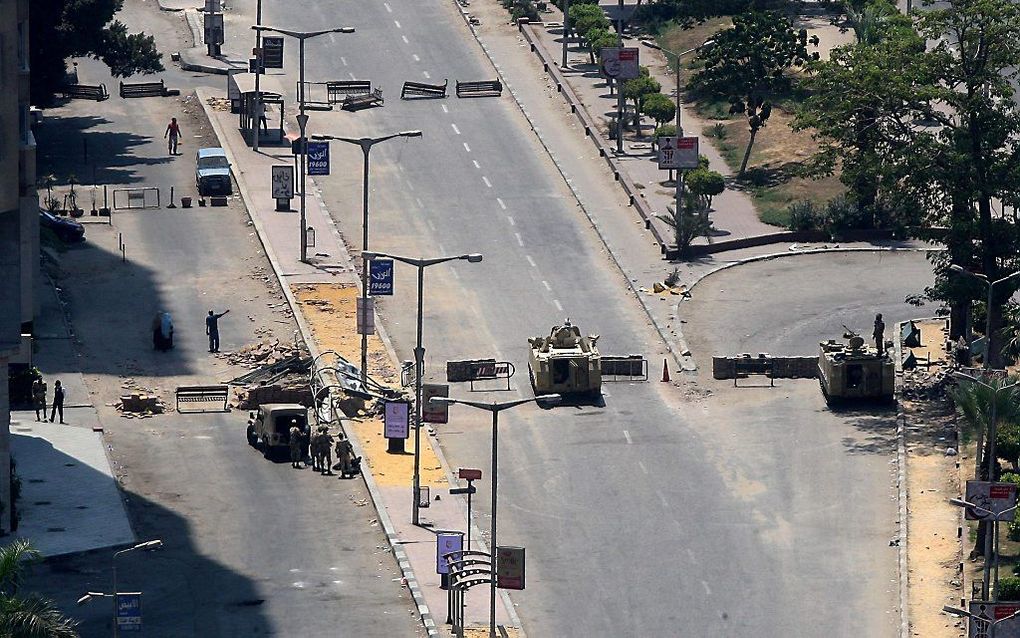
[495,409]
[988,308]
[992,624]
[366,144]
[421,264]
[147,545]
[258,68]
[302,118]
[566,32]
[996,517]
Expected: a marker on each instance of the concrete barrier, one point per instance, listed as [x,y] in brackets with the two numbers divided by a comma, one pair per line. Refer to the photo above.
[785,367]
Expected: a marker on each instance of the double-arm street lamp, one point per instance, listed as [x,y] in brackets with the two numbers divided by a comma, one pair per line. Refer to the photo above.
[495,409]
[421,264]
[1006,514]
[366,144]
[302,118]
[988,309]
[991,623]
[676,59]
[147,545]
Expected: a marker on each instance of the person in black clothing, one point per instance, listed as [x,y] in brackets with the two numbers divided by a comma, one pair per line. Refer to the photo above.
[58,402]
[212,328]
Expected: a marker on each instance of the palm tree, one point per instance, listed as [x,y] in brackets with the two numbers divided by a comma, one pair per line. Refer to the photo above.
[30,616]
[867,23]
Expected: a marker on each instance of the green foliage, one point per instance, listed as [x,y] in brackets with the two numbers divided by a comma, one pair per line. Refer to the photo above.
[718,131]
[1008,588]
[656,13]
[596,39]
[975,400]
[60,29]
[705,183]
[638,89]
[658,107]
[585,17]
[747,65]
[804,215]
[666,130]
[689,222]
[27,616]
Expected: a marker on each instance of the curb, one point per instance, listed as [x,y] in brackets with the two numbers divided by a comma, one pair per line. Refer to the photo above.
[306,333]
[901,493]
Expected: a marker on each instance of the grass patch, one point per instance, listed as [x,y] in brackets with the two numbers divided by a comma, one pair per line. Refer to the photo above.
[677,38]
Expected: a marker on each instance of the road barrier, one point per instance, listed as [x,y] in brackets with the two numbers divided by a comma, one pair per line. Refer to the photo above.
[632,367]
[136,198]
[95,92]
[423,90]
[146,89]
[189,394]
[485,88]
[358,102]
[775,367]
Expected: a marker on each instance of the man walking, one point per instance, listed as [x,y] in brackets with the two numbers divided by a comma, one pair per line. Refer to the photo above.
[212,328]
[58,402]
[39,398]
[172,135]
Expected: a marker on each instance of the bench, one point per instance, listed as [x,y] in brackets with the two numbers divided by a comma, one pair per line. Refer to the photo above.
[420,89]
[487,88]
[357,102]
[95,92]
[338,90]
[746,365]
[146,89]
[188,394]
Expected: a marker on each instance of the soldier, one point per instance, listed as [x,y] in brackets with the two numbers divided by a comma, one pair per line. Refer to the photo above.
[58,402]
[879,334]
[324,450]
[295,444]
[39,398]
[344,455]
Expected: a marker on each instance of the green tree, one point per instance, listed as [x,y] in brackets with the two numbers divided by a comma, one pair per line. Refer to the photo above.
[637,89]
[60,29]
[27,616]
[748,63]
[705,183]
[596,39]
[585,17]
[658,107]
[688,222]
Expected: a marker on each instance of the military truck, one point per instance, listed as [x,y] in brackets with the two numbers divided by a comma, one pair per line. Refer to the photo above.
[853,371]
[269,428]
[566,363]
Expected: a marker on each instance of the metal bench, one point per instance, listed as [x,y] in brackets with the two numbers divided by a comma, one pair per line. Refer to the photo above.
[745,365]
[95,92]
[421,89]
[357,102]
[337,91]
[146,89]
[486,88]
[189,394]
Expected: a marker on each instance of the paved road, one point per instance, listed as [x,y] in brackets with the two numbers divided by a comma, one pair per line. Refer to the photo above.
[628,508]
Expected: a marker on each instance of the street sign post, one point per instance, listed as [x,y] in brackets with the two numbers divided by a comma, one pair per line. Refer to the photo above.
[993,498]
[283,186]
[469,474]
[380,277]
[432,412]
[620,63]
[446,543]
[396,424]
[272,52]
[318,158]
[366,316]
[510,567]
[129,611]
[981,609]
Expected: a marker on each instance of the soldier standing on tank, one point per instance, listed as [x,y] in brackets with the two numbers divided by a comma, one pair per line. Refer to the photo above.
[295,444]
[879,334]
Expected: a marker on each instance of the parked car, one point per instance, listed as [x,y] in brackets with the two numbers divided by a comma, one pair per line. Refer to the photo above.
[67,230]
[212,172]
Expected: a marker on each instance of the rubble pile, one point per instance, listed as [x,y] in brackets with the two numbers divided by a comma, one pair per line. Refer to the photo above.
[279,375]
[922,385]
[139,401]
[291,389]
[261,354]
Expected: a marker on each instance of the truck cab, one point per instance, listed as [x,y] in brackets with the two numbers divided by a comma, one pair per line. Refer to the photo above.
[269,427]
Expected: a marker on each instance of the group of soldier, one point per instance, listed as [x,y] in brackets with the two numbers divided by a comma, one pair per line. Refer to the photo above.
[321,445]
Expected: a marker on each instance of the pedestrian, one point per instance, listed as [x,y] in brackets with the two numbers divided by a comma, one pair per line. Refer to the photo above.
[294,442]
[879,334]
[212,328]
[39,398]
[344,455]
[262,116]
[172,135]
[58,401]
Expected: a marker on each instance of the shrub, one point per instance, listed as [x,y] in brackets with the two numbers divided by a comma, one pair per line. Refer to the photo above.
[705,183]
[1008,588]
[666,130]
[842,214]
[658,107]
[718,131]
[804,215]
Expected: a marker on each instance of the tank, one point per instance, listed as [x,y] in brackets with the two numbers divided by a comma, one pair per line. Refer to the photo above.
[566,363]
[853,371]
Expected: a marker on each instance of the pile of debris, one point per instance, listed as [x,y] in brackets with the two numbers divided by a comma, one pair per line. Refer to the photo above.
[139,402]
[922,385]
[279,375]
[262,354]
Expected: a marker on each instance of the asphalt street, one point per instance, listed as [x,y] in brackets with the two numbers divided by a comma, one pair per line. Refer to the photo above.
[629,508]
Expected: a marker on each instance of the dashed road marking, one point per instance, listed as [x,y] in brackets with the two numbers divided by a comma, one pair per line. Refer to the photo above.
[416,58]
[708,590]
[445,110]
[418,201]
[642,466]
[388,9]
[426,74]
[520,241]
[410,185]
[404,38]
[343,60]
[486,180]
[512,222]
[475,162]
[662,499]
[530,261]
[332,38]
[396,22]
[559,306]
[626,434]
[352,76]
[466,147]
[456,130]
[501,204]
[430,224]
[547,286]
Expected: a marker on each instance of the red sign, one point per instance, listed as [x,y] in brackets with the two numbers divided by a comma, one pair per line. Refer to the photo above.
[510,567]
[1005,611]
[469,474]
[999,490]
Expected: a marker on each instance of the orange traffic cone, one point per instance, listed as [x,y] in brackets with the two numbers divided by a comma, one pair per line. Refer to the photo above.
[665,371]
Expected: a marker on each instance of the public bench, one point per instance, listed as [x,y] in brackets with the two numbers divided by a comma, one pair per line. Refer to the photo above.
[357,102]
[746,365]
[95,92]
[146,89]
[486,88]
[338,90]
[421,89]
[192,394]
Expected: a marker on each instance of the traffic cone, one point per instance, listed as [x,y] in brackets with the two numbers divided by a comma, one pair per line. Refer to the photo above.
[665,371]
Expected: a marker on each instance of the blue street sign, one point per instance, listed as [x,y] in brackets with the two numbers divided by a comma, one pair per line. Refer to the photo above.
[318,158]
[129,612]
[380,277]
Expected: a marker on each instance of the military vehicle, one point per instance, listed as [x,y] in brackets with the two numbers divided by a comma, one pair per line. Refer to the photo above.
[853,371]
[269,427]
[566,363]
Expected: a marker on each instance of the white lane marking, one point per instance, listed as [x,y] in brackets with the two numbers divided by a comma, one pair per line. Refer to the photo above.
[662,499]
[466,147]
[559,306]
[690,552]
[428,222]
[442,249]
[642,466]
[416,58]
[708,590]
[501,204]
[477,165]
[352,76]
[520,241]
[418,201]
[626,434]
[426,74]
[396,23]
[410,186]
[387,5]
[511,220]
[547,286]
[487,183]
[530,261]
[332,38]
[456,130]
[456,275]
[404,38]
[343,60]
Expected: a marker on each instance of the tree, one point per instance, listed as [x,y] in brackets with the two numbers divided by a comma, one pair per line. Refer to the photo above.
[689,222]
[596,39]
[637,89]
[27,616]
[705,183]
[747,65]
[585,17]
[658,107]
[60,29]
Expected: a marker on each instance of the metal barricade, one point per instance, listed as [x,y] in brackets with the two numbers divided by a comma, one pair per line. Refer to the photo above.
[136,198]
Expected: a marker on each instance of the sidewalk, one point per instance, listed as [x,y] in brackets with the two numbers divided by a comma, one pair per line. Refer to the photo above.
[70,501]
[330,270]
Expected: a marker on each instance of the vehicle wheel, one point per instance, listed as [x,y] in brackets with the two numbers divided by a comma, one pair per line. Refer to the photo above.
[253,439]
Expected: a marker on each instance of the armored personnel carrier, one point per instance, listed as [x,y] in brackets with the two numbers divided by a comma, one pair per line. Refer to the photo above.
[853,371]
[566,363]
